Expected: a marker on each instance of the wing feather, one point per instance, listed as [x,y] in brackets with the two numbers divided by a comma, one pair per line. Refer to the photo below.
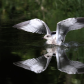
[34,26]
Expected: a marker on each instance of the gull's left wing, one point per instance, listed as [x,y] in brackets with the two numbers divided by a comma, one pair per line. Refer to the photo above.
[63,27]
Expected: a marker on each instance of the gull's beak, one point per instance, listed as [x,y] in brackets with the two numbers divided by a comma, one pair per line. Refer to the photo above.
[43,38]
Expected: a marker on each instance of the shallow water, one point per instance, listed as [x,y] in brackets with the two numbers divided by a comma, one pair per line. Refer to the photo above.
[52,64]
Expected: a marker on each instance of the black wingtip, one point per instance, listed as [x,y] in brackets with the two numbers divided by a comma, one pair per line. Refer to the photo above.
[80,19]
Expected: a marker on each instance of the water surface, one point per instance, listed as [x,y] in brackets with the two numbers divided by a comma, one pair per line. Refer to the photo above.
[17,45]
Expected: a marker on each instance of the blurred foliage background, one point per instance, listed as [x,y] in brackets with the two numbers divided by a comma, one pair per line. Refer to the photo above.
[51,11]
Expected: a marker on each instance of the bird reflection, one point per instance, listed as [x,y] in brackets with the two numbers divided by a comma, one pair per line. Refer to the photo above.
[36,65]
[64,64]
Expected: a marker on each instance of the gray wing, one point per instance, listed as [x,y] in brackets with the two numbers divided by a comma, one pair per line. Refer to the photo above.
[36,65]
[34,26]
[63,27]
[70,24]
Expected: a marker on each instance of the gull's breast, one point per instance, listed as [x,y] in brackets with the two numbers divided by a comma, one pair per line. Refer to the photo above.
[52,40]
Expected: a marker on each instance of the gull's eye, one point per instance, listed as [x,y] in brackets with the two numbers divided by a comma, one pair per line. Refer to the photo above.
[48,36]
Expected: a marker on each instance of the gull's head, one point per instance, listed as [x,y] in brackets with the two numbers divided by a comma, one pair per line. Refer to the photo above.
[48,36]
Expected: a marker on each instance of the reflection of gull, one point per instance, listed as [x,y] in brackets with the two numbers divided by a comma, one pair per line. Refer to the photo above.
[57,37]
[41,63]
[36,65]
[66,65]
[50,52]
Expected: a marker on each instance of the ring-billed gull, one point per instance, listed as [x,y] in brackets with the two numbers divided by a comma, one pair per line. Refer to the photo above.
[56,37]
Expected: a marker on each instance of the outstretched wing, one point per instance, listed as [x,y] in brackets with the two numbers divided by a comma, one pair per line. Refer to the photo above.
[36,65]
[34,26]
[63,27]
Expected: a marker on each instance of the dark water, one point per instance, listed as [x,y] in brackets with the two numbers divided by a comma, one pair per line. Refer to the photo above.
[24,58]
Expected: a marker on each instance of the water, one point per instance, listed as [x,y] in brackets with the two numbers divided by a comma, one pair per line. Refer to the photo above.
[52,64]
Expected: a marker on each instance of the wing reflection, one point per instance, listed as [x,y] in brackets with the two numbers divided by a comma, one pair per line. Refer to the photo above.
[36,65]
[64,64]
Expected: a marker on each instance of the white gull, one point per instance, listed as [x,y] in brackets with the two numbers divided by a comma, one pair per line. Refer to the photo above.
[56,37]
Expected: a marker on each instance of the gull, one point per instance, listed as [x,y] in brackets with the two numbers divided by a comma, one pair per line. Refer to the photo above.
[53,37]
[64,64]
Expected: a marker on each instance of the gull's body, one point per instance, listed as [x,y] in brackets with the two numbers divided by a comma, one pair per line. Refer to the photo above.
[56,37]
[51,40]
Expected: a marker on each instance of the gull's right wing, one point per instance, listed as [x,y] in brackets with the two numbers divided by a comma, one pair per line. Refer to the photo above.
[34,26]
